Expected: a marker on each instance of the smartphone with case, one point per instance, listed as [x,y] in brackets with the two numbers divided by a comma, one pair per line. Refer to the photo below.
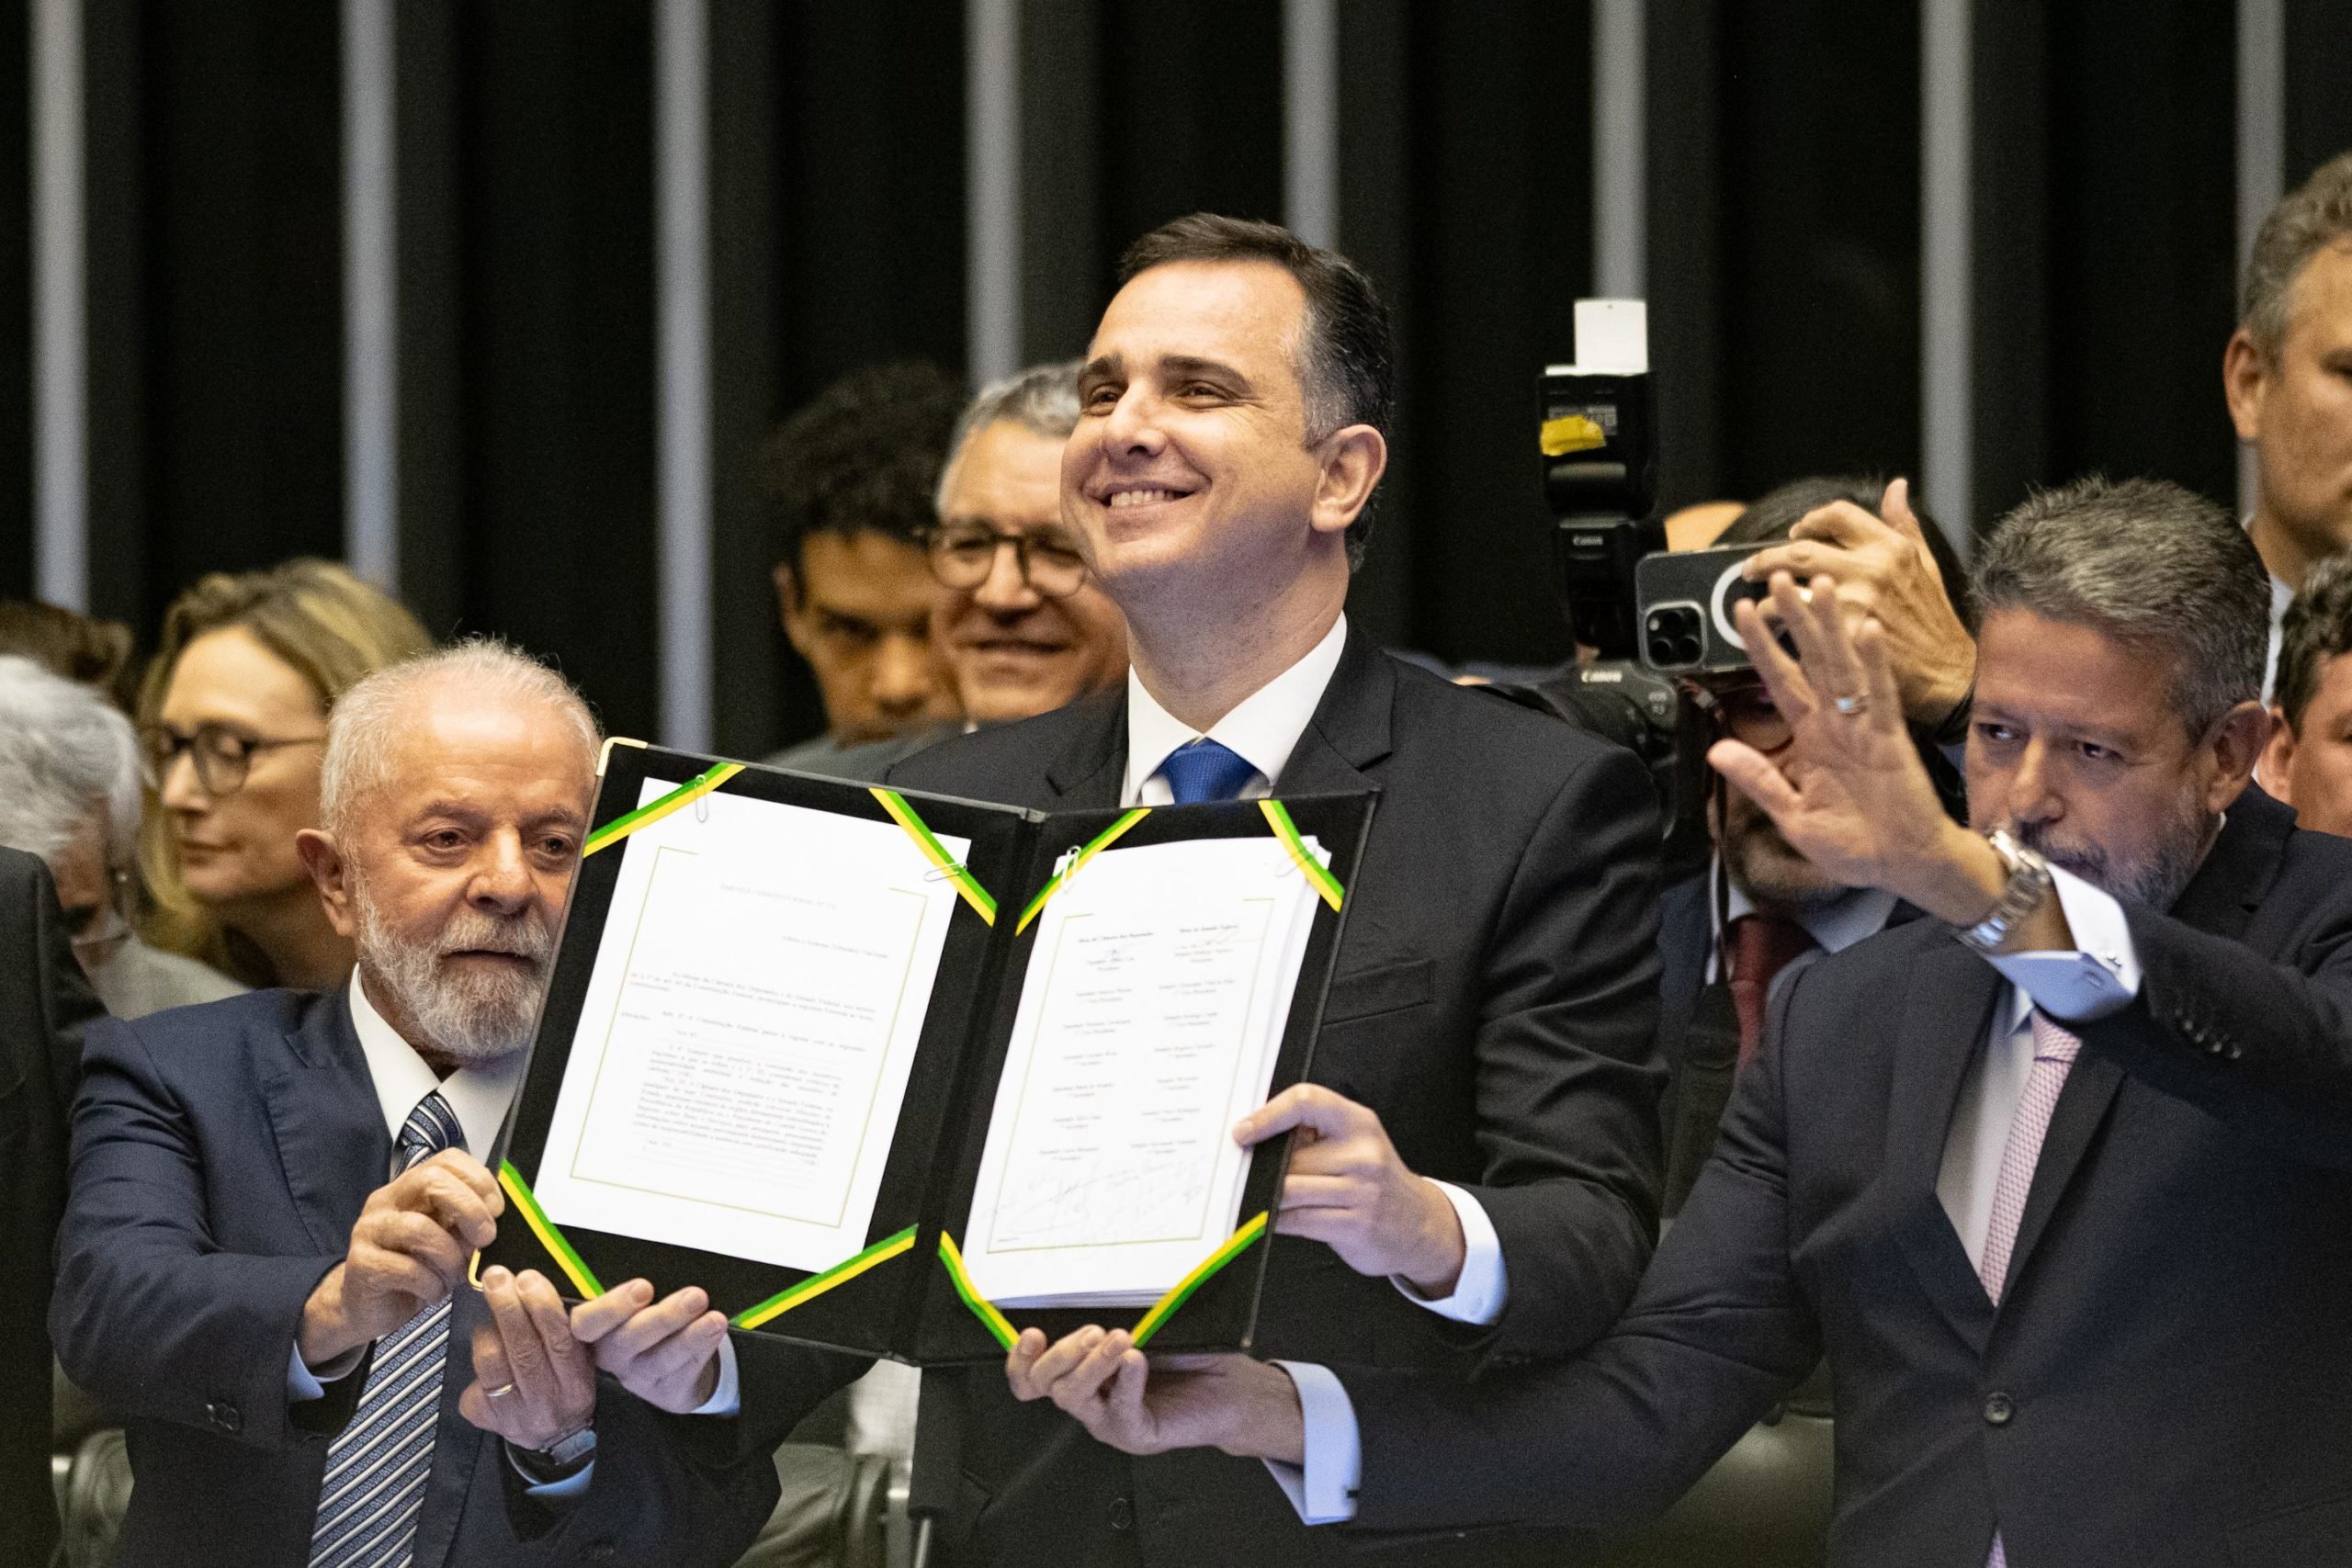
[1684,601]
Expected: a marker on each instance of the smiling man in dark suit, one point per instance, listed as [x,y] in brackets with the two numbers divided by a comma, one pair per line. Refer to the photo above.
[1480,1180]
[2062,1200]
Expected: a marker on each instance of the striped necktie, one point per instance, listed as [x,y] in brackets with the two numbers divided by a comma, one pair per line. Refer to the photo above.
[378,1466]
[2053,1058]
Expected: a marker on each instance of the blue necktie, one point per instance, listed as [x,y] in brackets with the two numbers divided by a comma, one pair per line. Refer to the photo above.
[377,1466]
[1203,770]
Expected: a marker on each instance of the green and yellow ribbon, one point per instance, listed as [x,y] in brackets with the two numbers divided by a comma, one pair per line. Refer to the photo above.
[519,1192]
[1165,1308]
[652,811]
[982,1308]
[1102,841]
[977,896]
[816,1285]
[1278,817]
[1151,1322]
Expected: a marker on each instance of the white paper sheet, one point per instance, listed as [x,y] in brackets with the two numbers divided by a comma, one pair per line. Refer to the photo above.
[1149,1020]
[743,1049]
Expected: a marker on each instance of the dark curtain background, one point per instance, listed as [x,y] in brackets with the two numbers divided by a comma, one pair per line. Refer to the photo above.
[1783,269]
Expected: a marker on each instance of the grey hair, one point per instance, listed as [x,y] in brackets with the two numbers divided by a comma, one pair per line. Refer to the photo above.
[365,719]
[65,752]
[1042,400]
[2157,569]
[2308,220]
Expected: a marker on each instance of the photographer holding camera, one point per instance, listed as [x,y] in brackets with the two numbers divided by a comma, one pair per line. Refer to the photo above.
[1759,910]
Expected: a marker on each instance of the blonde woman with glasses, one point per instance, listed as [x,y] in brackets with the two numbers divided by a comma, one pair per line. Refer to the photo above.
[232,717]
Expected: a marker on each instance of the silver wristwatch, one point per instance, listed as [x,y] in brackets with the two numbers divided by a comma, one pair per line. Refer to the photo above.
[2027,886]
[560,1460]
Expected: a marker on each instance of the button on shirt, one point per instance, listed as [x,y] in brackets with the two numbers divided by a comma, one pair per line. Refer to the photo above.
[2100,977]
[479,1096]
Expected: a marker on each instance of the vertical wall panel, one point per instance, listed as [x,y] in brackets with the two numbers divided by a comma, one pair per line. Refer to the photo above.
[1503,247]
[1820,259]
[2141,224]
[243,348]
[1062,285]
[557,329]
[15,303]
[2319,104]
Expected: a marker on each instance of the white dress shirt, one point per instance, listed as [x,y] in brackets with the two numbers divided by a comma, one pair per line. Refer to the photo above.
[1263,730]
[2099,975]
[478,1096]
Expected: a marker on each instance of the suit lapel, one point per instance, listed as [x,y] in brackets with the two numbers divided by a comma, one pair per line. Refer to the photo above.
[1091,772]
[1351,727]
[332,1145]
[1945,1017]
[2219,900]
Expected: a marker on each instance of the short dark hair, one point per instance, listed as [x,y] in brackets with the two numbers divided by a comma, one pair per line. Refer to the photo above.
[2151,565]
[2308,220]
[863,455]
[1347,366]
[1770,516]
[2317,629]
[82,648]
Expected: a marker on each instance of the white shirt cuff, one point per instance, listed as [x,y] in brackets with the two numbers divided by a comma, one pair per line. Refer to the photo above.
[570,1486]
[304,1384]
[1483,1288]
[1323,1489]
[2100,977]
[726,1399]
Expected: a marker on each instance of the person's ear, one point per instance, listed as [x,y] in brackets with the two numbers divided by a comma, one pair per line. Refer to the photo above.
[2278,760]
[2243,370]
[2238,741]
[331,874]
[792,608]
[1350,463]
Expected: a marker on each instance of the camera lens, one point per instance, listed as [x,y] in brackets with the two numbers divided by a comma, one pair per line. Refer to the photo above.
[1675,637]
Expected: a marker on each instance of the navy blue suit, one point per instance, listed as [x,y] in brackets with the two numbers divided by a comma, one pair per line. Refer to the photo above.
[221,1156]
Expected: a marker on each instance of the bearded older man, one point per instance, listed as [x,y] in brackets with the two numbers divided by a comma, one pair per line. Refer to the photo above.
[275,1198]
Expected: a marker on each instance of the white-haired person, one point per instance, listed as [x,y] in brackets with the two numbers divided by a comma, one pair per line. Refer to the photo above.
[273,1198]
[70,792]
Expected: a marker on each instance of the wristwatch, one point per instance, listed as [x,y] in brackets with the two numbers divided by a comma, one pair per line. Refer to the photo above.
[560,1461]
[2027,886]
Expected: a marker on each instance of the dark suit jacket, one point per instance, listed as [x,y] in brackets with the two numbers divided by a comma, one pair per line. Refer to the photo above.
[45,1005]
[221,1156]
[1494,1000]
[2167,1377]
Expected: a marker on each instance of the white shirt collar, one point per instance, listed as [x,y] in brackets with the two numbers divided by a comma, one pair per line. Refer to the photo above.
[1837,924]
[1264,728]
[478,1094]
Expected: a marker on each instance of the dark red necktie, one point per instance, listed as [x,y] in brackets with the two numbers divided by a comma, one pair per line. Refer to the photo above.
[1760,947]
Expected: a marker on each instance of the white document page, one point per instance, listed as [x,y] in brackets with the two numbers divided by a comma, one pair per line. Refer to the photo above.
[740,1060]
[1148,1023]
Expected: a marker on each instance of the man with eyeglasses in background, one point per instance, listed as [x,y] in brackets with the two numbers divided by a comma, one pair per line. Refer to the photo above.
[1025,629]
[1761,910]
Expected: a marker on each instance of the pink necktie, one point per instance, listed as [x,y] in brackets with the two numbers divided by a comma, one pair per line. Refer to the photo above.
[2053,1054]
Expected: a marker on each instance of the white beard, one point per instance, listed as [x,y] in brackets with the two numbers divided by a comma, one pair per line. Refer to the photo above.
[473,1017]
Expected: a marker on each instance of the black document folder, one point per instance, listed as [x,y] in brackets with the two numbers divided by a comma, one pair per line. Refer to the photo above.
[902,1287]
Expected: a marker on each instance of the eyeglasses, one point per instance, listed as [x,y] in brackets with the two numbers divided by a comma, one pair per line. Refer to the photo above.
[222,756]
[963,554]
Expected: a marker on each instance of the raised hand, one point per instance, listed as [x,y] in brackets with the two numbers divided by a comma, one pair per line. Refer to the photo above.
[1141,1405]
[664,1353]
[1849,792]
[533,1383]
[1347,1187]
[408,1250]
[1883,571]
